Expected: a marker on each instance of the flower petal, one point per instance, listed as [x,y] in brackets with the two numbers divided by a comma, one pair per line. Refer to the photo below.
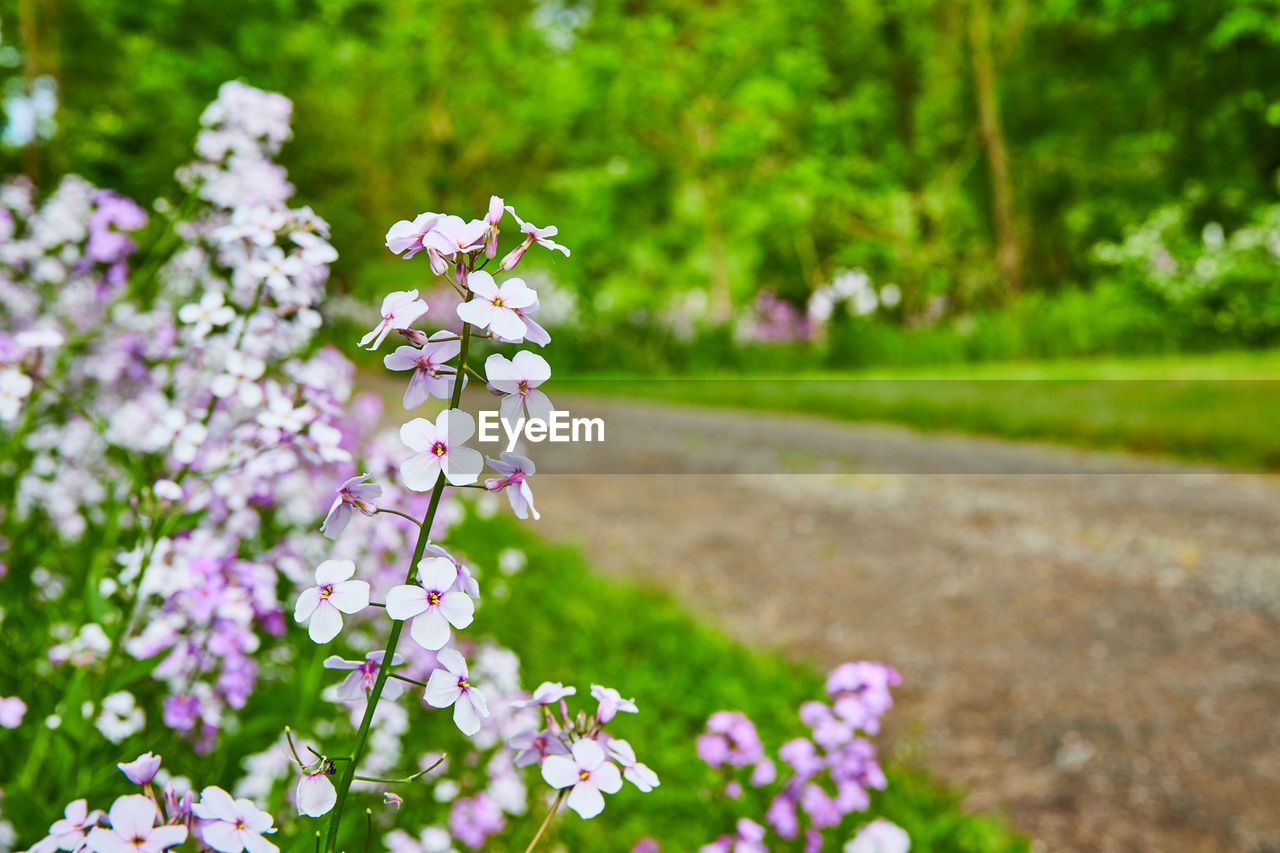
[326,623]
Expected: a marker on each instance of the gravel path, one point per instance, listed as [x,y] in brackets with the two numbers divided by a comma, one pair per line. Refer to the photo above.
[1090,642]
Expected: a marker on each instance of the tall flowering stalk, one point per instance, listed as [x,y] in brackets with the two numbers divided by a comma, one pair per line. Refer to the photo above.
[436,598]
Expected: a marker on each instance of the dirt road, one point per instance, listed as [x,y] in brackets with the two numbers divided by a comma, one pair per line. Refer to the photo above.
[1090,642]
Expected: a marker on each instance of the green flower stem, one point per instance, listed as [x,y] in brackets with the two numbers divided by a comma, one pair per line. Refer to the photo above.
[384,671]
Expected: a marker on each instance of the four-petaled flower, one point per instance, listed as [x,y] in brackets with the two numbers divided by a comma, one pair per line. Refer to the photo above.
[495,307]
[405,237]
[439,447]
[449,685]
[515,470]
[399,310]
[434,605]
[334,594]
[364,673]
[533,234]
[68,833]
[232,826]
[240,377]
[204,315]
[431,378]
[354,493]
[133,828]
[546,693]
[611,702]
[518,380]
[588,772]
[452,235]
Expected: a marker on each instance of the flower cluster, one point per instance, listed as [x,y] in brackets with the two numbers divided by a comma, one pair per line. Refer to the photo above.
[577,755]
[830,773]
[152,822]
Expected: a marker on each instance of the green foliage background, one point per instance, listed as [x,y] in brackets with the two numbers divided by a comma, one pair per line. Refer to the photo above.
[722,146]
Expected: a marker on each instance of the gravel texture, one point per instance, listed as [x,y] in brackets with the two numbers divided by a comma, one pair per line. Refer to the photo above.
[1090,642]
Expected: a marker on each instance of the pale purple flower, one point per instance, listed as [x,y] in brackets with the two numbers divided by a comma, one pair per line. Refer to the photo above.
[466,581]
[405,237]
[334,594]
[452,235]
[449,685]
[399,310]
[440,447]
[142,769]
[433,604]
[518,380]
[533,234]
[68,833]
[802,756]
[532,747]
[588,772]
[494,308]
[232,825]
[632,770]
[431,377]
[748,837]
[546,693]
[515,470]
[12,710]
[879,836]
[393,800]
[353,494]
[133,819]
[533,333]
[472,820]
[611,702]
[316,795]
[364,673]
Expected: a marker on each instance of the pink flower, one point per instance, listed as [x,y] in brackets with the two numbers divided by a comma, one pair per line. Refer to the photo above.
[399,310]
[748,837]
[449,686]
[434,605]
[453,235]
[69,832]
[492,218]
[518,379]
[405,237]
[494,308]
[611,702]
[587,772]
[440,448]
[533,333]
[354,493]
[12,710]
[133,828]
[333,595]
[533,234]
[633,771]
[316,795]
[232,826]
[546,693]
[360,682]
[515,470]
[431,378]
[142,769]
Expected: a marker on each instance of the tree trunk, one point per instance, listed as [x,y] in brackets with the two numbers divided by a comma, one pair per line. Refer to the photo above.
[1008,251]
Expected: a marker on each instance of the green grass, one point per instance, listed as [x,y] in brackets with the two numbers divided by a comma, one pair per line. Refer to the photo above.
[1222,408]
[571,625]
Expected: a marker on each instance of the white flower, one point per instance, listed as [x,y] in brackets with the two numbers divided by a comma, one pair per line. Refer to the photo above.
[496,308]
[232,826]
[240,375]
[315,794]
[399,310]
[133,829]
[204,315]
[448,685]
[14,388]
[434,605]
[440,447]
[588,773]
[333,595]
[879,836]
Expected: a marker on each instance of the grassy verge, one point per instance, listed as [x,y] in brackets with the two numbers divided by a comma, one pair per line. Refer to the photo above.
[574,626]
[1222,408]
